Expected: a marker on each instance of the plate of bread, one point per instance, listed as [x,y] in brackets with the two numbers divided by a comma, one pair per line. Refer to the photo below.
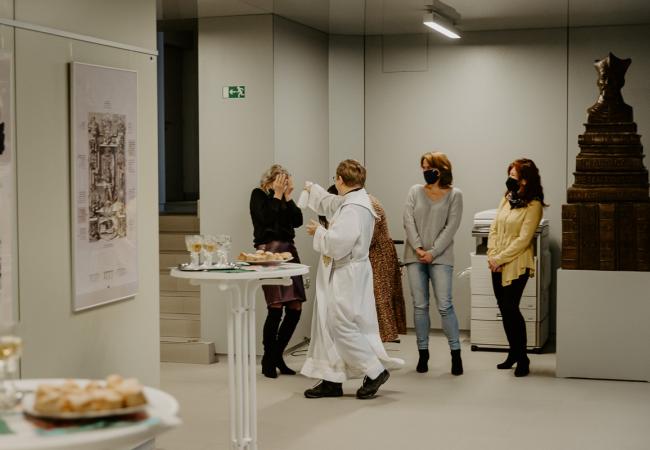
[71,400]
[265,258]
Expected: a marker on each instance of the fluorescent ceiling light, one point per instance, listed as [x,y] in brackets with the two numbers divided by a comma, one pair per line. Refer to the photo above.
[441,24]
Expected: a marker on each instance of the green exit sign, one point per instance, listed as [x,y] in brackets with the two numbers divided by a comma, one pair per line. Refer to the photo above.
[234,92]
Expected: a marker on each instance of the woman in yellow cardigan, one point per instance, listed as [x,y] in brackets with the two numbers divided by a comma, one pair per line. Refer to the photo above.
[510,254]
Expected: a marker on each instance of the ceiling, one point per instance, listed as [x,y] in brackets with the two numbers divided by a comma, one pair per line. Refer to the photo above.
[405,16]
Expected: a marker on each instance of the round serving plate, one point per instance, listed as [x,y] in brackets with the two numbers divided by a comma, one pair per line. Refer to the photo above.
[30,398]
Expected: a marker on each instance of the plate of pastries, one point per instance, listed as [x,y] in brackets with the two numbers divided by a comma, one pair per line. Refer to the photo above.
[69,400]
[265,258]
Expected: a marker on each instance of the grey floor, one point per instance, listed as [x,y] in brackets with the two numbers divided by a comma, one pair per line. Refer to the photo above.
[483,409]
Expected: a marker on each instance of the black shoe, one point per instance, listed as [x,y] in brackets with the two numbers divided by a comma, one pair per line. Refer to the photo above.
[422,366]
[456,363]
[508,363]
[370,387]
[523,367]
[325,389]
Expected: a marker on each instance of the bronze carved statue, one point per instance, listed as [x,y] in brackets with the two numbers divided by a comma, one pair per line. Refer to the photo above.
[610,107]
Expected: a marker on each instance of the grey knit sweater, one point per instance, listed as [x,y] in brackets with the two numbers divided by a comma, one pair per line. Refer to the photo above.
[432,225]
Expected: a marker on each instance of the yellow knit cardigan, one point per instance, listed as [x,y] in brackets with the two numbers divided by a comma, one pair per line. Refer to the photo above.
[510,242]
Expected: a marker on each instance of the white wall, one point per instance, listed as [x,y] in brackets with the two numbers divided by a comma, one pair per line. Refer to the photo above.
[235,140]
[301,126]
[130,22]
[484,101]
[346,99]
[121,337]
[283,119]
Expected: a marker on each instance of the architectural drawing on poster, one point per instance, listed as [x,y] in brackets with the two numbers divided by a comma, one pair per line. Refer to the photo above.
[107,176]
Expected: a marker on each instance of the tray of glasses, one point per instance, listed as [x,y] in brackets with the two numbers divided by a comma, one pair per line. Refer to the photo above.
[186,267]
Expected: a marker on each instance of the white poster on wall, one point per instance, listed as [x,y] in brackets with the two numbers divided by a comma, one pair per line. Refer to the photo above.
[104,180]
[7,197]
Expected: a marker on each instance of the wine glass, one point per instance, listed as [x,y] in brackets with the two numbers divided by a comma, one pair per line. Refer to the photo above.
[224,243]
[194,244]
[209,247]
[10,352]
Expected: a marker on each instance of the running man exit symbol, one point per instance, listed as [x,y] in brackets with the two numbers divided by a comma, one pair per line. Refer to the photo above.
[234,92]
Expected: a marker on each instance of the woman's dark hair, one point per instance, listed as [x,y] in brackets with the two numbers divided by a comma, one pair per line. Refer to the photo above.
[322,219]
[532,189]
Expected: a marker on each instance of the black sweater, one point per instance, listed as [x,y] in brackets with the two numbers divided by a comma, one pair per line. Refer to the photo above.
[273,219]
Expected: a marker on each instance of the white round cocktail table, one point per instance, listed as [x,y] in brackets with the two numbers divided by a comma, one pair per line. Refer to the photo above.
[241,338]
[162,410]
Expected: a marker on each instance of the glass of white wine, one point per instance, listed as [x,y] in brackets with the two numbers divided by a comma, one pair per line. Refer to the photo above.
[194,244]
[209,247]
[10,351]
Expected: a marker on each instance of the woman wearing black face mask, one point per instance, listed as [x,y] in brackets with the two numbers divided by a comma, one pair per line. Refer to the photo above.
[275,216]
[510,254]
[431,218]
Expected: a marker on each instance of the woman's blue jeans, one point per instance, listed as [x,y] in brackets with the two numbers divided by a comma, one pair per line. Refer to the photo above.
[440,276]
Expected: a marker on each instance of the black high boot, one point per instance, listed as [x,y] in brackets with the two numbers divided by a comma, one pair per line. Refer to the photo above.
[509,362]
[456,363]
[269,340]
[523,363]
[288,326]
[523,367]
[422,366]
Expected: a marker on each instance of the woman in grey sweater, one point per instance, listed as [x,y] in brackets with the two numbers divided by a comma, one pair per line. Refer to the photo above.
[431,218]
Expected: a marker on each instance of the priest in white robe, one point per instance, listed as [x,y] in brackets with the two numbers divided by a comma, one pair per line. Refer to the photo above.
[345,341]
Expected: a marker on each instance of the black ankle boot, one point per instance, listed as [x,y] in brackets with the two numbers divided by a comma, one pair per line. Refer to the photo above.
[508,363]
[422,366]
[288,326]
[270,338]
[456,363]
[523,367]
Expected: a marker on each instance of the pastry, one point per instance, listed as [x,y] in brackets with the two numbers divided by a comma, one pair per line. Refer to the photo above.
[115,393]
[263,256]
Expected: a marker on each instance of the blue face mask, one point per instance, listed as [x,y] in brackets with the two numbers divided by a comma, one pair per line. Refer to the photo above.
[431,176]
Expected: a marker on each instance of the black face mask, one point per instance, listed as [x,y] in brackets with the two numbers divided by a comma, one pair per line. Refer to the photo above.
[431,176]
[512,184]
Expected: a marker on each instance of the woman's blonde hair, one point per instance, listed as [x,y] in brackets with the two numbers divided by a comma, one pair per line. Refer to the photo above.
[351,172]
[439,161]
[269,176]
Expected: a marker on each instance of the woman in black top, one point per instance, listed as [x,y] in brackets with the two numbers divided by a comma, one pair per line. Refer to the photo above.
[275,216]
